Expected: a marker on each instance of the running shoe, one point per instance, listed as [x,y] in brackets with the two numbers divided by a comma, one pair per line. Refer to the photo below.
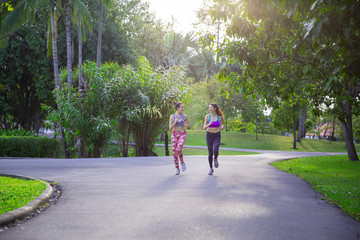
[183,166]
[211,171]
[177,172]
[216,163]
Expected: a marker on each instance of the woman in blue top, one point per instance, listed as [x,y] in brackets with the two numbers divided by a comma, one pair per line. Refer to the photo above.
[213,124]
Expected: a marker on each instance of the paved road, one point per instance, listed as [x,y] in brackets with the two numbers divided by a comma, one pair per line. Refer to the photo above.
[140,198]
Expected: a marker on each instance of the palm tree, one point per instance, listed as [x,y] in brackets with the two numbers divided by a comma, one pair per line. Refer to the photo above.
[54,44]
[82,17]
[23,10]
[79,11]
[179,49]
[203,65]
[98,53]
[68,41]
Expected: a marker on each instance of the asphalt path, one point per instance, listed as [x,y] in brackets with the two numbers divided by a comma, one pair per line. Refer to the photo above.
[141,198]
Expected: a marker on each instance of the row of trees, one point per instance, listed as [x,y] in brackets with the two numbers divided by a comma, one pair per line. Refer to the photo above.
[270,51]
[295,53]
[126,30]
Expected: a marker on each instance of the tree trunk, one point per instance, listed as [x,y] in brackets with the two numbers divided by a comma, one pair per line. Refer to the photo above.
[305,118]
[166,143]
[346,123]
[302,116]
[294,130]
[68,42]
[37,124]
[54,45]
[125,143]
[81,84]
[56,68]
[98,55]
[80,140]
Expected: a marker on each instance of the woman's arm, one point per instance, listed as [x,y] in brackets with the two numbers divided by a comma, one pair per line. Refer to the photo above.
[186,121]
[222,123]
[172,125]
[205,122]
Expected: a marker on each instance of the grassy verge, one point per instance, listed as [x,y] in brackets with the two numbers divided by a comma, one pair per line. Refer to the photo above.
[266,142]
[16,193]
[160,151]
[337,178]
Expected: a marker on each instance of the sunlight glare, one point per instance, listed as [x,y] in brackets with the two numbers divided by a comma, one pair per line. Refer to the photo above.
[183,12]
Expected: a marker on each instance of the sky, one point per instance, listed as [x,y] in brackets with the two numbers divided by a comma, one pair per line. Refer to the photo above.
[183,12]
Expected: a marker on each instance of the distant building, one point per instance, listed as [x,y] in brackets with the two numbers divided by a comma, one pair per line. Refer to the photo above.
[323,132]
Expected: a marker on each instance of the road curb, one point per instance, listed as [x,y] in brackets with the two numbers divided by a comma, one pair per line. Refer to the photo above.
[19,213]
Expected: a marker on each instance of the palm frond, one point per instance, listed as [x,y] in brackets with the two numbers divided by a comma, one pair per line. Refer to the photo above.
[107,3]
[82,12]
[22,11]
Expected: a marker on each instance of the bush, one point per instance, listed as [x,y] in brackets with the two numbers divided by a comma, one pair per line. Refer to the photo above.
[14,146]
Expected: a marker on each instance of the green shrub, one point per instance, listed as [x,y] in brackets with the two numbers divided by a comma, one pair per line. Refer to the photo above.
[20,131]
[27,146]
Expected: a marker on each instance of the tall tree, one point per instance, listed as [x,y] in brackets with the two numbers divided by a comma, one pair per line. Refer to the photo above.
[26,81]
[68,8]
[332,29]
[82,17]
[302,120]
[255,41]
[100,30]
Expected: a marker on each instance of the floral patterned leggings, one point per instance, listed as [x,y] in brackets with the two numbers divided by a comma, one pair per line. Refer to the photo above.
[177,143]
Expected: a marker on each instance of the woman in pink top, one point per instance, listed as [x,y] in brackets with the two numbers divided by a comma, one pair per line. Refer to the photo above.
[213,124]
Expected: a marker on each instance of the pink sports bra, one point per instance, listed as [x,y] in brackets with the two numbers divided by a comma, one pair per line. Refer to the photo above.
[214,124]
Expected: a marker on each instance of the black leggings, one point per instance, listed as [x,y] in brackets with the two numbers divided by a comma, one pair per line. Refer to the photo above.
[213,144]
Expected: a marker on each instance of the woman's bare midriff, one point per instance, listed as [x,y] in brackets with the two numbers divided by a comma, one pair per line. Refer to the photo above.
[178,129]
[213,130]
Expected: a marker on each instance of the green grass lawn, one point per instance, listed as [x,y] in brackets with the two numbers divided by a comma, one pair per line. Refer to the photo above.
[337,178]
[160,151]
[16,193]
[266,142]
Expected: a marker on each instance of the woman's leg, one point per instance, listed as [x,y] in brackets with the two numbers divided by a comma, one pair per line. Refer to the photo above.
[180,145]
[174,143]
[217,145]
[210,143]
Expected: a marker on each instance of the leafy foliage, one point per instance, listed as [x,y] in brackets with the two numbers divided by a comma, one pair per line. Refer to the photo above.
[25,76]
[20,131]
[28,146]
[298,53]
[121,99]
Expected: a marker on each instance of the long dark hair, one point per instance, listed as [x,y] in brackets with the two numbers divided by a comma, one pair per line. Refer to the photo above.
[177,105]
[217,109]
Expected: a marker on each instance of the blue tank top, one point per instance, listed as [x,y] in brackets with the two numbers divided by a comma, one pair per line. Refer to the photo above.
[181,121]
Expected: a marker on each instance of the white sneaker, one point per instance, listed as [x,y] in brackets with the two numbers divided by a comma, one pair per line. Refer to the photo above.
[177,172]
[211,171]
[183,167]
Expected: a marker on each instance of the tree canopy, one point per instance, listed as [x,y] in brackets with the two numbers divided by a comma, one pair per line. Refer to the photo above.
[293,53]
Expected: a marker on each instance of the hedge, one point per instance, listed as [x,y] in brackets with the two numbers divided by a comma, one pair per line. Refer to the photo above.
[26,146]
